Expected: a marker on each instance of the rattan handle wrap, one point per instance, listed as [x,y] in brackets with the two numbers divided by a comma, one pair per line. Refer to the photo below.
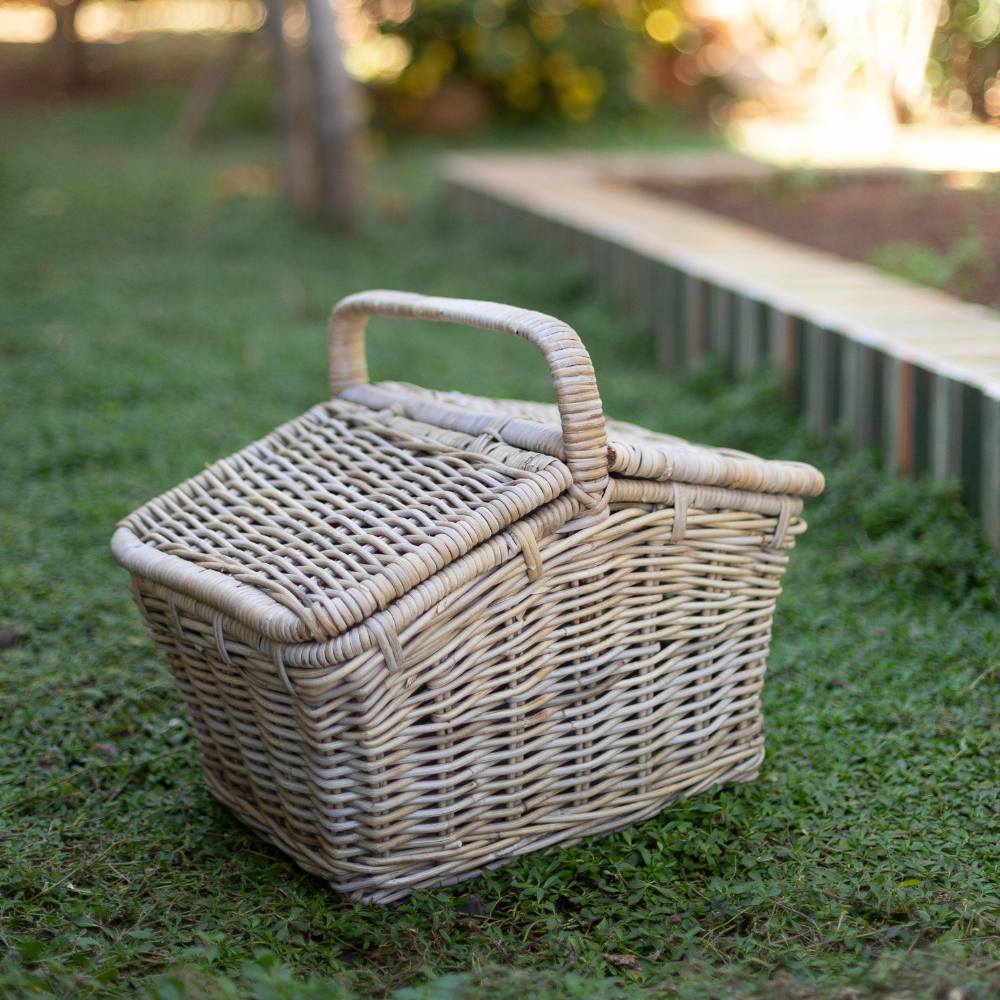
[584,438]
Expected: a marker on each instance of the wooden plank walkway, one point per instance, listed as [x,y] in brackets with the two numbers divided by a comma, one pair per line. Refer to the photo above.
[910,369]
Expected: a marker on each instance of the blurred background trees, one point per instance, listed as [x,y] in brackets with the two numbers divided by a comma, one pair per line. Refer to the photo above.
[572,58]
[318,109]
[452,66]
[528,58]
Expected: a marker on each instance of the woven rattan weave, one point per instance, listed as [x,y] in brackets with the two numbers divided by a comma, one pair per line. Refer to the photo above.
[420,633]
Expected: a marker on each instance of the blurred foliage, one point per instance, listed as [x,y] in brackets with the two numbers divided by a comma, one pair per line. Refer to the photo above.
[535,58]
[965,58]
[569,58]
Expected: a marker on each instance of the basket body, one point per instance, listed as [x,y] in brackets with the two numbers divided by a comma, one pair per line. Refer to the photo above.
[558,679]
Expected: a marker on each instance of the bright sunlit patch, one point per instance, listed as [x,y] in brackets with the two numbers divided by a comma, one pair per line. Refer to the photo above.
[663,26]
[115,20]
[377,60]
[26,22]
[857,140]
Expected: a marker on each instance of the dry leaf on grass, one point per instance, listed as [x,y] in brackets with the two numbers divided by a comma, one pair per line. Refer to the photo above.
[625,962]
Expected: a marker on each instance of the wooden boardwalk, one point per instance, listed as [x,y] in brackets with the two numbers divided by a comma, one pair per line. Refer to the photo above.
[910,369]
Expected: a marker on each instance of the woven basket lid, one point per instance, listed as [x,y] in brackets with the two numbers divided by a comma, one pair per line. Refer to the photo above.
[632,451]
[336,514]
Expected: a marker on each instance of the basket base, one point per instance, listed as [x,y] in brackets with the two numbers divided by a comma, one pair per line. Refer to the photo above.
[438,876]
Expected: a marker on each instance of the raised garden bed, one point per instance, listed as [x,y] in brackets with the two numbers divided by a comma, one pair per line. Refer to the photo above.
[930,228]
[900,365]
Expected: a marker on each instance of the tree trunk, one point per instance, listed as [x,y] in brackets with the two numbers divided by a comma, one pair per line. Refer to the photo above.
[336,113]
[67,50]
[916,49]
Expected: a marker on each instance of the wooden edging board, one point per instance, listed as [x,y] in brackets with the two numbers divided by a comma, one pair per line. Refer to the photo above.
[909,369]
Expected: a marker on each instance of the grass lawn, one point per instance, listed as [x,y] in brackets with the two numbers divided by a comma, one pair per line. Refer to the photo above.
[148,326]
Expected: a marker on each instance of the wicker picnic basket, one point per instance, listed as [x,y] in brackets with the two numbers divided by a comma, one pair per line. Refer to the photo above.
[420,633]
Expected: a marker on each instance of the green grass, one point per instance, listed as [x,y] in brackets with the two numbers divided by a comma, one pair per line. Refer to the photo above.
[145,329]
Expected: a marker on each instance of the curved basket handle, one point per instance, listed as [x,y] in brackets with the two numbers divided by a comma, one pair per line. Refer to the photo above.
[584,438]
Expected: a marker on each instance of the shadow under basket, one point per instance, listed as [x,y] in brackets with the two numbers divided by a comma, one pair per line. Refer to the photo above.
[421,633]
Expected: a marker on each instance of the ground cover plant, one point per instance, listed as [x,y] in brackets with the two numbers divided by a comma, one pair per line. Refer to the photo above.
[152,323]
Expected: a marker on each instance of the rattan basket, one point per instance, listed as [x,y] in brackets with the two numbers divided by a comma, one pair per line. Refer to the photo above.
[421,633]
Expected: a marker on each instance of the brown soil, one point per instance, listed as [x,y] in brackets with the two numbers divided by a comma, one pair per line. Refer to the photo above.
[855,214]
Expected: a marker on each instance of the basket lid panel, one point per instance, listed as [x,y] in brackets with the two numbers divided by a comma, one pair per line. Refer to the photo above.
[632,451]
[337,514]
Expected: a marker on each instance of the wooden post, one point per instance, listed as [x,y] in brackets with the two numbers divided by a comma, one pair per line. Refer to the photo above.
[972,448]
[673,306]
[623,275]
[850,390]
[904,424]
[811,378]
[68,51]
[898,407]
[720,323]
[695,295]
[835,373]
[921,421]
[990,489]
[666,327]
[858,393]
[890,412]
[946,428]
[819,379]
[645,300]
[747,334]
[782,348]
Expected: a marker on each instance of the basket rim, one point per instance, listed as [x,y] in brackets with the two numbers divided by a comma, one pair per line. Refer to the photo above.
[276,623]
